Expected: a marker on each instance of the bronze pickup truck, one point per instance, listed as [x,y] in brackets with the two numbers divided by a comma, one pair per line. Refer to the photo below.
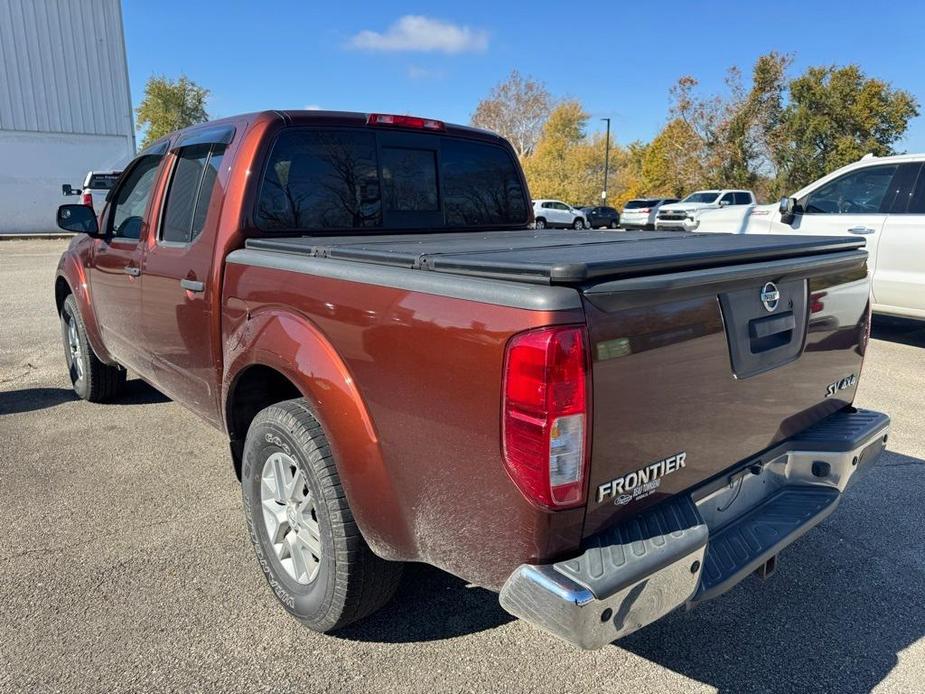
[603,426]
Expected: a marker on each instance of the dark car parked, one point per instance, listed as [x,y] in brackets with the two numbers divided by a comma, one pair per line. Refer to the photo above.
[602,217]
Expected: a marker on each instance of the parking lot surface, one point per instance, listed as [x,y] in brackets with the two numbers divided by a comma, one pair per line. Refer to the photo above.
[124,563]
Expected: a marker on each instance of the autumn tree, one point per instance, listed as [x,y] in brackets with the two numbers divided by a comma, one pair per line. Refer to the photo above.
[554,167]
[516,109]
[169,105]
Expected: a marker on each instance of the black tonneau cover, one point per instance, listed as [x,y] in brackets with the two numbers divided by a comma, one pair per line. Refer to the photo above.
[558,257]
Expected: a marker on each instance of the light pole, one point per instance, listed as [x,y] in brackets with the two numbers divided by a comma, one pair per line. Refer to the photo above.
[606,161]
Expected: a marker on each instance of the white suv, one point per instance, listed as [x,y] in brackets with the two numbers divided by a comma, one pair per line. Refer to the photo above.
[555,213]
[879,198]
[685,215]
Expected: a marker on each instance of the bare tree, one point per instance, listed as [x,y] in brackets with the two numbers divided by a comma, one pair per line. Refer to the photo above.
[516,109]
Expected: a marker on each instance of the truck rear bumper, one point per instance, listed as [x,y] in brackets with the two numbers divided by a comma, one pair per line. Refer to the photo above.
[695,547]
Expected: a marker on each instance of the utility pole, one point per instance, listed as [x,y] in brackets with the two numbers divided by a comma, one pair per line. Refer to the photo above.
[606,161]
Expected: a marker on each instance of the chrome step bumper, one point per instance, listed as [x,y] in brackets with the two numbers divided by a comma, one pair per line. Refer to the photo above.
[695,547]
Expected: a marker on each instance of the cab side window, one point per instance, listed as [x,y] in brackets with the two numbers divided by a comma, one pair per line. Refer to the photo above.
[858,192]
[131,198]
[728,198]
[192,184]
[742,198]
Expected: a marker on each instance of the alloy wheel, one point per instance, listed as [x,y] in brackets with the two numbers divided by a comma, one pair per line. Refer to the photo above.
[290,517]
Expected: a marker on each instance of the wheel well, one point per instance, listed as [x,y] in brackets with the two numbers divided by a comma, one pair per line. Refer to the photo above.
[255,388]
[62,290]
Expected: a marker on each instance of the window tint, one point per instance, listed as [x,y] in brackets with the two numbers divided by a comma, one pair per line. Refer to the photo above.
[102,181]
[340,179]
[900,192]
[481,186]
[704,196]
[728,198]
[319,179]
[409,179]
[132,197]
[742,199]
[860,191]
[190,191]
[917,199]
[639,204]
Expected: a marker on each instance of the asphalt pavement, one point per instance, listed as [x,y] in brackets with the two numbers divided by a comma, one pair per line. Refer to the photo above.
[124,563]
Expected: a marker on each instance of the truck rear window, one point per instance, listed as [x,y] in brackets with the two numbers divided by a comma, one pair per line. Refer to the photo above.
[318,180]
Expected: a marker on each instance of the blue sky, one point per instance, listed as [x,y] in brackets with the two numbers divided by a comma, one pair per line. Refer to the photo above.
[441,61]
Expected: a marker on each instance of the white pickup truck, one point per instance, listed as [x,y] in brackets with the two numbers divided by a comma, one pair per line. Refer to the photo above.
[685,215]
[879,198]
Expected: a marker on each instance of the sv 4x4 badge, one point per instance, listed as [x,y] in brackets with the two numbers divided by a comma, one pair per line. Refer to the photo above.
[841,384]
[640,483]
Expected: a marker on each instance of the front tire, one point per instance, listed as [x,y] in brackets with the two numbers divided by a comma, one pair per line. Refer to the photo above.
[91,379]
[578,223]
[540,223]
[306,539]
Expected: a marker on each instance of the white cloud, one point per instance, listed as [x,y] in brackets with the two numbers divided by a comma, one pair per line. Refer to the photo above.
[312,107]
[422,34]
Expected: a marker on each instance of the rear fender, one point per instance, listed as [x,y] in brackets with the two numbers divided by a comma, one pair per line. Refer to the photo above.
[291,344]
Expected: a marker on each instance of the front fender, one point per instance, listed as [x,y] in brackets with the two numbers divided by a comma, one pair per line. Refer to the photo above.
[290,343]
[72,269]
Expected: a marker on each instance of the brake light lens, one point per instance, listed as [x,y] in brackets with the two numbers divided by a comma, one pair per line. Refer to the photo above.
[645,210]
[404,122]
[545,415]
[87,199]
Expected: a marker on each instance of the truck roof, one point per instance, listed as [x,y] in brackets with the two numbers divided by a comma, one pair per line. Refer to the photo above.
[549,257]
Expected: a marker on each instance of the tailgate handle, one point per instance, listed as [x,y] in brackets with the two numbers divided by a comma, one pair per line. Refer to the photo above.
[772,325]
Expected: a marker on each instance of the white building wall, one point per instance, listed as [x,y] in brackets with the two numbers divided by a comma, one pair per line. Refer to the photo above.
[65,106]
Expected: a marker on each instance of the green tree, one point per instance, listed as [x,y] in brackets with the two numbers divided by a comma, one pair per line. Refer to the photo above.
[835,115]
[170,105]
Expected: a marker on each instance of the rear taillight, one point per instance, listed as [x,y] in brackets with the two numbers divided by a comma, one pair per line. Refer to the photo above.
[87,199]
[645,210]
[545,415]
[404,122]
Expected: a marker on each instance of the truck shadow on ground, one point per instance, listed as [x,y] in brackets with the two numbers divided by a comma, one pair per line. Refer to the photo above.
[902,330]
[430,605]
[844,604]
[136,392]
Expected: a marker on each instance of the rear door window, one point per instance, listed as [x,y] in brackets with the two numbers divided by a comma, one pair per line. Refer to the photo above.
[917,199]
[742,198]
[348,179]
[191,187]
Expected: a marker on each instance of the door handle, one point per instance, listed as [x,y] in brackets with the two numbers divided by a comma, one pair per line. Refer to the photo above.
[193,285]
[132,270]
[860,230]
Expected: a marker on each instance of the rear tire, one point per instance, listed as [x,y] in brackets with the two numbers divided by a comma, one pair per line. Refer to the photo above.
[306,539]
[91,378]
[614,225]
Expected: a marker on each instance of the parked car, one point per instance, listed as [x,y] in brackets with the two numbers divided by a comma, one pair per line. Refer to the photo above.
[879,199]
[602,427]
[95,187]
[553,214]
[601,217]
[641,212]
[684,215]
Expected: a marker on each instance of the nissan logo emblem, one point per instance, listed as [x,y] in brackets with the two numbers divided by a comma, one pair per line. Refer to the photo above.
[770,296]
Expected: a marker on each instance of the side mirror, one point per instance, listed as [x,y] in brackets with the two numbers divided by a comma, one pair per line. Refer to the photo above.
[79,218]
[724,203]
[787,209]
[67,190]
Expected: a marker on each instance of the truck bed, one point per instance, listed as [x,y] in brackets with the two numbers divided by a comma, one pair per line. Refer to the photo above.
[557,257]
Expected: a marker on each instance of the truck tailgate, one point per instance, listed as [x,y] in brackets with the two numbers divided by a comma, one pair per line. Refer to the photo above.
[695,371]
